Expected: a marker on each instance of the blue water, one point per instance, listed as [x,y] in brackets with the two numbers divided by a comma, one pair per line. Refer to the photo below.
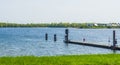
[31,41]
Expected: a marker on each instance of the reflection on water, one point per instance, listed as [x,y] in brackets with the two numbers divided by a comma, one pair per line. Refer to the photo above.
[31,41]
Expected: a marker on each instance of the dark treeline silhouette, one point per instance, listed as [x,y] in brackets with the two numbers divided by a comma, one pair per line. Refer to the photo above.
[74,25]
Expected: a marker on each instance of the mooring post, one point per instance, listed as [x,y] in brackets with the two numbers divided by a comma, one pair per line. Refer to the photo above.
[66,35]
[114,40]
[83,39]
[55,37]
[46,36]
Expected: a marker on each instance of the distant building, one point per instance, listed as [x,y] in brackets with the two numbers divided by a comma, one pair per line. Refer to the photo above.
[95,24]
[113,24]
[90,24]
[101,24]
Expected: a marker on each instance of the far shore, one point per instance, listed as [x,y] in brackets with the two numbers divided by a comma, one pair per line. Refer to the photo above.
[63,25]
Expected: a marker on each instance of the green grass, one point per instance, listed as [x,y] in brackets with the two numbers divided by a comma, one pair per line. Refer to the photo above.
[103,59]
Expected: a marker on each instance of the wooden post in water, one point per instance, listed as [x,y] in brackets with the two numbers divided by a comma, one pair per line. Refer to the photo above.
[114,40]
[46,36]
[55,37]
[66,35]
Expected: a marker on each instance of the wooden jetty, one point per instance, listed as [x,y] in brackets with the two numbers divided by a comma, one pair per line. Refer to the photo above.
[93,45]
[112,47]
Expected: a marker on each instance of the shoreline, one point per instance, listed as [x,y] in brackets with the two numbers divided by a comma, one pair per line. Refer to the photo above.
[60,27]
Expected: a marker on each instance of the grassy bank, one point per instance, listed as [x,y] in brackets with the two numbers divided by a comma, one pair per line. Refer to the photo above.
[107,59]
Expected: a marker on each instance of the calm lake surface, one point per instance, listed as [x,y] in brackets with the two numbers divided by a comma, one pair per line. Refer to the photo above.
[31,41]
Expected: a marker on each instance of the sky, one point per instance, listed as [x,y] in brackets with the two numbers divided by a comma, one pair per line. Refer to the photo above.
[72,11]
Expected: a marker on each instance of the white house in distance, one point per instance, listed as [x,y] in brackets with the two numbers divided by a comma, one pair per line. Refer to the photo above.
[95,24]
[113,24]
[103,24]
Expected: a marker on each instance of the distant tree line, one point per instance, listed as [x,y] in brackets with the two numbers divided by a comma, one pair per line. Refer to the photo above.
[74,25]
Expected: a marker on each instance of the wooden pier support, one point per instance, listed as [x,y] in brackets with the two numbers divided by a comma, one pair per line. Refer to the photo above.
[66,35]
[46,36]
[55,37]
[114,40]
